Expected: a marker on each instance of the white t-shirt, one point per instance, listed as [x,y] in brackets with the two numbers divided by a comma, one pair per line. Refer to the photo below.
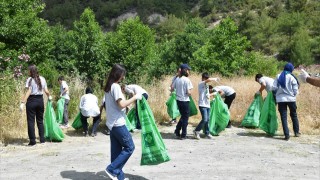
[289,93]
[267,81]
[62,87]
[89,105]
[182,85]
[115,116]
[34,87]
[226,90]
[203,89]
[134,89]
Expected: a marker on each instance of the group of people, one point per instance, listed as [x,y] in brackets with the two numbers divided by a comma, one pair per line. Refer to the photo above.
[285,87]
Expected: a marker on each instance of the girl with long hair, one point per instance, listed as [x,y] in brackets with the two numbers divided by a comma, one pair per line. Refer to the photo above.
[33,98]
[122,145]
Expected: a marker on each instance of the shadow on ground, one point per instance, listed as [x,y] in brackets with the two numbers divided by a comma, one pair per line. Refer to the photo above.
[75,175]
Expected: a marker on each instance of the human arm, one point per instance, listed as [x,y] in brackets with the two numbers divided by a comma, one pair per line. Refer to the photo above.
[124,103]
[212,80]
[24,99]
[311,80]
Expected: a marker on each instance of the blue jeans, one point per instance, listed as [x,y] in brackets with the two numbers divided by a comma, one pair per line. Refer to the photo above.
[184,109]
[122,147]
[205,113]
[282,107]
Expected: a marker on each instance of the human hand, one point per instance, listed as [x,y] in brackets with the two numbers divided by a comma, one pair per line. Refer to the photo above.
[215,93]
[258,93]
[138,96]
[214,79]
[303,76]
[21,107]
[50,98]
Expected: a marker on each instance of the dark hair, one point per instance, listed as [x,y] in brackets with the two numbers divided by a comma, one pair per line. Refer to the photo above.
[35,75]
[205,75]
[184,72]
[89,90]
[210,87]
[115,74]
[258,76]
[60,78]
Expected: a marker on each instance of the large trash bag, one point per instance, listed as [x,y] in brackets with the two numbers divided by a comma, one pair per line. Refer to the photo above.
[153,149]
[132,118]
[60,110]
[172,106]
[219,116]
[193,107]
[251,119]
[129,126]
[268,117]
[77,124]
[52,131]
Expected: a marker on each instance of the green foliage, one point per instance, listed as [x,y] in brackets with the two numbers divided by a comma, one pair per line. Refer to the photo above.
[301,48]
[258,63]
[133,44]
[170,27]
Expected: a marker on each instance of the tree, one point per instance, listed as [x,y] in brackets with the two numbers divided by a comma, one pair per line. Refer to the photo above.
[133,44]
[301,48]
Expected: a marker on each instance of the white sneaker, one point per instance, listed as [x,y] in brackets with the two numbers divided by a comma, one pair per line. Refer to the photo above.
[196,134]
[208,136]
[110,175]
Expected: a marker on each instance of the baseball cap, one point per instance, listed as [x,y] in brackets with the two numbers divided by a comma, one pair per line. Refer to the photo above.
[185,66]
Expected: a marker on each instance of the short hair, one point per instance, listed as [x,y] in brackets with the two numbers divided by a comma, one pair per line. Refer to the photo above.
[89,90]
[205,75]
[258,76]
[60,78]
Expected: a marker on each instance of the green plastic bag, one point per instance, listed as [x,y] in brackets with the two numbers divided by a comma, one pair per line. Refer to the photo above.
[172,106]
[193,107]
[153,149]
[132,118]
[77,124]
[129,126]
[52,131]
[60,110]
[251,119]
[219,116]
[268,117]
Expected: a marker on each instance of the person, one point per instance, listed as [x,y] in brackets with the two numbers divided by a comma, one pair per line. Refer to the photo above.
[266,83]
[183,88]
[173,121]
[204,105]
[307,78]
[103,104]
[131,90]
[229,95]
[89,108]
[286,86]
[122,145]
[33,98]
[64,93]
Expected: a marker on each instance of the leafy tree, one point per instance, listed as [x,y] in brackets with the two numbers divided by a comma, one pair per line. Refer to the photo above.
[133,44]
[301,48]
[170,27]
[90,47]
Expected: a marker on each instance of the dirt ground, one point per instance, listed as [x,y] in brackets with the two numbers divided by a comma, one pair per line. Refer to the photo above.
[236,154]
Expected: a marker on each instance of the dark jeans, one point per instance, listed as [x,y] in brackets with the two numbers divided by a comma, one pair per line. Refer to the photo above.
[282,107]
[35,109]
[138,123]
[205,113]
[122,147]
[228,100]
[96,121]
[184,109]
[65,112]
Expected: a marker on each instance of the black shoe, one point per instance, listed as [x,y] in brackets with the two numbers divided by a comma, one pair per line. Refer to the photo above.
[286,138]
[86,134]
[183,138]
[93,134]
[31,144]
[297,134]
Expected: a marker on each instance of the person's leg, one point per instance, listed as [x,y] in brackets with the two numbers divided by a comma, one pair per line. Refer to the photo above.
[282,107]
[185,118]
[66,112]
[228,100]
[203,115]
[138,125]
[206,124]
[294,117]
[120,137]
[84,124]
[96,121]
[39,118]
[31,113]
[179,124]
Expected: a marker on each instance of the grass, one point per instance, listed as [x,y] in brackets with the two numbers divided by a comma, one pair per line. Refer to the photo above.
[13,126]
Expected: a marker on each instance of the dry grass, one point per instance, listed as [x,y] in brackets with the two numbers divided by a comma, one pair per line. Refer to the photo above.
[13,126]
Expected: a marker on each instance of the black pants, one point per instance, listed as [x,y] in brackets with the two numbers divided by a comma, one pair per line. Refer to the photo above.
[138,123]
[65,112]
[228,100]
[35,109]
[96,121]
[282,107]
[184,109]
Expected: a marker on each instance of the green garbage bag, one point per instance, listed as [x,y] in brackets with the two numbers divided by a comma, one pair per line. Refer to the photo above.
[77,124]
[129,126]
[172,106]
[219,116]
[268,117]
[131,116]
[193,107]
[52,131]
[153,149]
[60,109]
[251,119]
